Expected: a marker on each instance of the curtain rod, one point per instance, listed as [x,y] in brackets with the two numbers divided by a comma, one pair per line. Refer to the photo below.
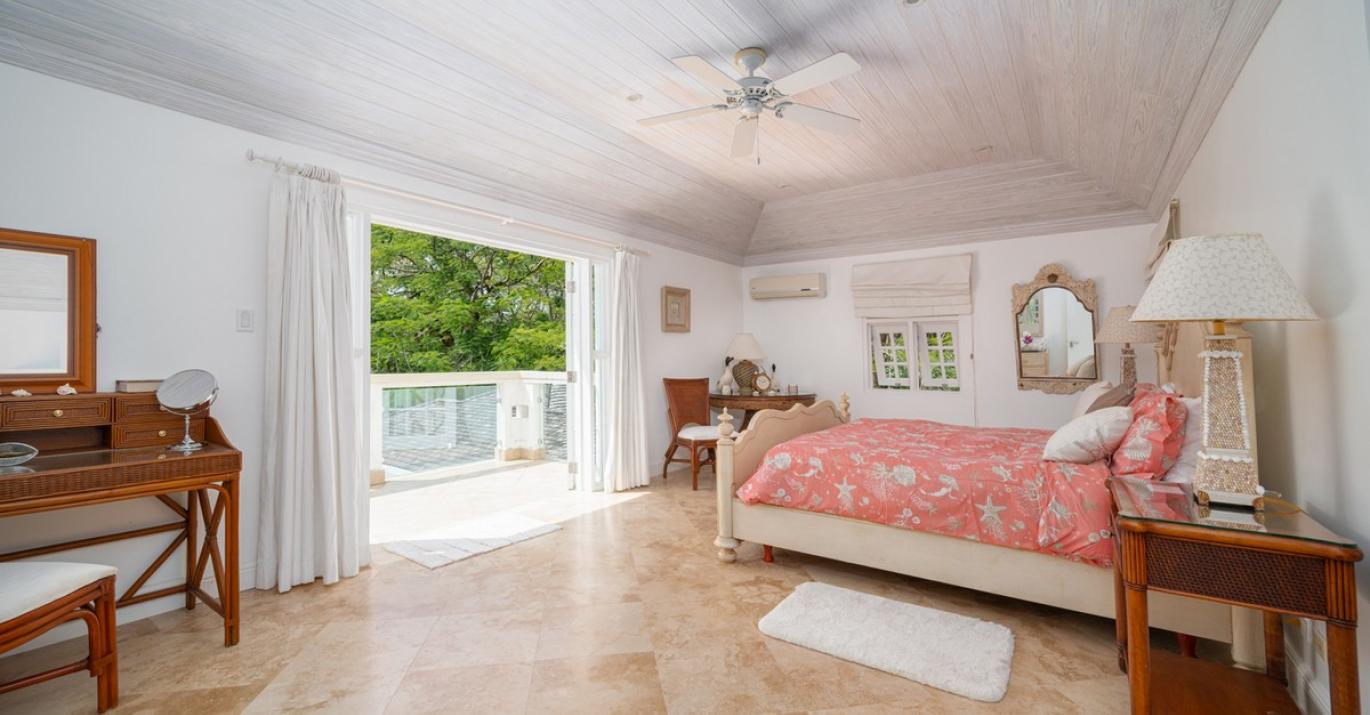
[504,220]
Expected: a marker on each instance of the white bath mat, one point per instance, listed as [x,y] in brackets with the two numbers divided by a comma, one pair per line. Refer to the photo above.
[960,655]
[462,540]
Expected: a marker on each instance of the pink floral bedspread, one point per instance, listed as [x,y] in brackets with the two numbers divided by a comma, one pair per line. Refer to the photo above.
[977,483]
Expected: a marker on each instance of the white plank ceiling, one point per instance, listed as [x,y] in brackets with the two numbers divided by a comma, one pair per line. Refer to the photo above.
[981,119]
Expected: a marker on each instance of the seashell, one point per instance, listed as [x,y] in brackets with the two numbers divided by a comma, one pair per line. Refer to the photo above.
[21,392]
[66,389]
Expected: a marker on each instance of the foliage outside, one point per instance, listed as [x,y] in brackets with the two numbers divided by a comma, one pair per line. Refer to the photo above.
[440,305]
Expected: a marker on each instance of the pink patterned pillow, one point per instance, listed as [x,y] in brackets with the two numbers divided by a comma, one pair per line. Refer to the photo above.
[1152,444]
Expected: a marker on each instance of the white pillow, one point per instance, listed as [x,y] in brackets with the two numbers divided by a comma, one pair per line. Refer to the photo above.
[1089,438]
[1088,396]
[1188,463]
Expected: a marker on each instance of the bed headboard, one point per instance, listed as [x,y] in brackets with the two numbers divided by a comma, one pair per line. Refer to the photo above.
[771,427]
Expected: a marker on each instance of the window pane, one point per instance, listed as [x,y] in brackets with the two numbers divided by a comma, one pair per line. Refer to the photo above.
[904,371]
[950,372]
[884,338]
[901,356]
[899,339]
[889,371]
[946,338]
[948,356]
[936,372]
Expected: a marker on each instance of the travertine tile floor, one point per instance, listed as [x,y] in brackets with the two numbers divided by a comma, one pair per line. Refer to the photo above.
[625,610]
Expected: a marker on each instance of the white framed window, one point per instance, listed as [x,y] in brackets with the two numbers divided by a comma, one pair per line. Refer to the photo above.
[891,355]
[900,350]
[939,349]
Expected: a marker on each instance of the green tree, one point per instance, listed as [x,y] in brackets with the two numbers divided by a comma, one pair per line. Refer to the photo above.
[440,305]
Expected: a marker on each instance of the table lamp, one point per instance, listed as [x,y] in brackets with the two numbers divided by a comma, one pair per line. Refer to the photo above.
[746,355]
[1216,279]
[1118,329]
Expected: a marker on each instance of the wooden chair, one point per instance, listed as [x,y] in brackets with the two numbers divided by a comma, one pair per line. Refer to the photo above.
[687,409]
[36,597]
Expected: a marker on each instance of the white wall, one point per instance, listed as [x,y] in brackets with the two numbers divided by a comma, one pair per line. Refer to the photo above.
[819,343]
[180,216]
[1289,157]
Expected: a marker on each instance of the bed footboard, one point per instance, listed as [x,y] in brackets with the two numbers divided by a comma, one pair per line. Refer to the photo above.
[738,458]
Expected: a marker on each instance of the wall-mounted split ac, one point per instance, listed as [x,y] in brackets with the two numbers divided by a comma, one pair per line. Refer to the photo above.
[805,285]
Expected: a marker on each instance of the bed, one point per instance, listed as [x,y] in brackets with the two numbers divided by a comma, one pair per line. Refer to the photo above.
[1011,524]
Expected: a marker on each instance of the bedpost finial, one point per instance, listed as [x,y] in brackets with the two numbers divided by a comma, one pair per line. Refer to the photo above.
[844,408]
[725,426]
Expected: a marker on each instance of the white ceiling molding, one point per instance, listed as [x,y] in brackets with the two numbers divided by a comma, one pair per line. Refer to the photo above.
[980,118]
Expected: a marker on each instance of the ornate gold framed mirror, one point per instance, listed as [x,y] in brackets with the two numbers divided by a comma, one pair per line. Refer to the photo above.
[47,312]
[1054,321]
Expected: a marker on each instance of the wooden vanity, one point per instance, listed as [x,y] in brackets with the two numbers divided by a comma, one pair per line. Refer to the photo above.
[111,447]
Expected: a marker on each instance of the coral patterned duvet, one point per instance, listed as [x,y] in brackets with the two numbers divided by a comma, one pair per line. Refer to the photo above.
[982,484]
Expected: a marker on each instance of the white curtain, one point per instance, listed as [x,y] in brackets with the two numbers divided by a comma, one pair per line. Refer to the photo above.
[626,464]
[918,288]
[313,498]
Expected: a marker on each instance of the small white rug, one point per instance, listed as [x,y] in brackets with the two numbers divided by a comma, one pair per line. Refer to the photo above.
[462,540]
[958,654]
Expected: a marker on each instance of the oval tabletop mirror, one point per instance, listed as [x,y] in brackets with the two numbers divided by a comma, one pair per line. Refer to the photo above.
[186,393]
[1054,317]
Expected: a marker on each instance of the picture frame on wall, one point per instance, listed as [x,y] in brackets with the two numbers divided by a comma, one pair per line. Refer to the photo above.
[675,309]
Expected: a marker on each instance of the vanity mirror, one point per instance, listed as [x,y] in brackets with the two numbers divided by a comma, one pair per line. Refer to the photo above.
[1054,327]
[47,312]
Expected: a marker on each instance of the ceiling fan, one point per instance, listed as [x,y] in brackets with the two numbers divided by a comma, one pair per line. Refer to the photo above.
[753,96]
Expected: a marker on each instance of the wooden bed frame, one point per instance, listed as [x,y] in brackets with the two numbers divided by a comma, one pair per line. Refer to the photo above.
[1027,575]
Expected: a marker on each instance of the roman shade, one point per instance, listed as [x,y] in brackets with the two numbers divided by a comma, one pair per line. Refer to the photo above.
[919,288]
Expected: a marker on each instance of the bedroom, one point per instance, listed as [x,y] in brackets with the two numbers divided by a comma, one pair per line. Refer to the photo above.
[985,131]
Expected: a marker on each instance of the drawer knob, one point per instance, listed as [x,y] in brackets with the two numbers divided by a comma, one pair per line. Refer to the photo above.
[161,433]
[56,413]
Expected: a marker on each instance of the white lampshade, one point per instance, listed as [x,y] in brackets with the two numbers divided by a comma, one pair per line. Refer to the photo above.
[745,347]
[1233,276]
[1119,328]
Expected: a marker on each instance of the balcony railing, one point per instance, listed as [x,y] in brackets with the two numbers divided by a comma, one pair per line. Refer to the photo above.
[431,422]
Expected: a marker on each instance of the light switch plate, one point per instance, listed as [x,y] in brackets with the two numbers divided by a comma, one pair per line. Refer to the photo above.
[247,321]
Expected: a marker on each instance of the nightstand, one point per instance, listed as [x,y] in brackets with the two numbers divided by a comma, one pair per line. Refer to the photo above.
[1277,562]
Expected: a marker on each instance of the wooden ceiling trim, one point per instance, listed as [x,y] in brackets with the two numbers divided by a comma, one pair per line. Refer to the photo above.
[903,243]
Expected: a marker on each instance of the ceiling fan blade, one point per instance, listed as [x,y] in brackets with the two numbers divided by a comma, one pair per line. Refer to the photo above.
[706,73]
[685,114]
[744,137]
[817,118]
[821,72]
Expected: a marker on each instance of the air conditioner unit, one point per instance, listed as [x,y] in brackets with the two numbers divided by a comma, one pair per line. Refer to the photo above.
[805,285]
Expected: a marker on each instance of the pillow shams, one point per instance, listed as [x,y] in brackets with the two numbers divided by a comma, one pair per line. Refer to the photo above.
[1089,438]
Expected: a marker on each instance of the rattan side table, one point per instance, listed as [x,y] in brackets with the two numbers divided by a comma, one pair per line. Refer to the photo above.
[1276,562]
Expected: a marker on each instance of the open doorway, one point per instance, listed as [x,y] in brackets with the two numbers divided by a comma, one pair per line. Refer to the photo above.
[475,408]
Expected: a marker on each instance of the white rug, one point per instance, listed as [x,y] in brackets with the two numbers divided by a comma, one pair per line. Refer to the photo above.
[960,655]
[462,540]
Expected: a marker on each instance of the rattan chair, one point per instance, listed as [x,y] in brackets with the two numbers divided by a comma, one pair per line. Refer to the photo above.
[37,596]
[687,409]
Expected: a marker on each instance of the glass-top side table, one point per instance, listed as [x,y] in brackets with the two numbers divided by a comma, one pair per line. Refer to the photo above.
[1281,562]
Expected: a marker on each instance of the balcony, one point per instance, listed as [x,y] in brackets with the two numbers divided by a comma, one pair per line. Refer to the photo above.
[440,424]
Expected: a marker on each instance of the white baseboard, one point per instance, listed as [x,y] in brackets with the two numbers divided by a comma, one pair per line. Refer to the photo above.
[1310,695]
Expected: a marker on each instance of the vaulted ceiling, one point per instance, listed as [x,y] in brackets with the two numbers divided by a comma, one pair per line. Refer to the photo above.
[981,119]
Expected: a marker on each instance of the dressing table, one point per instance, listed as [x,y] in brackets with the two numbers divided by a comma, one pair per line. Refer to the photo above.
[103,448]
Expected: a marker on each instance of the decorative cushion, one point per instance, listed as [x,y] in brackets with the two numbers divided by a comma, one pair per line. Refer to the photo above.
[1152,444]
[699,433]
[26,585]
[1089,438]
[1188,463]
[1085,401]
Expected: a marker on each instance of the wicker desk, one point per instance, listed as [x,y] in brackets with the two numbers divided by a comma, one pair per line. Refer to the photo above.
[1281,563]
[75,477]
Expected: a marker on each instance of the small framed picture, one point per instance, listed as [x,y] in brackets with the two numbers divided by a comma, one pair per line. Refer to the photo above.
[675,310]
